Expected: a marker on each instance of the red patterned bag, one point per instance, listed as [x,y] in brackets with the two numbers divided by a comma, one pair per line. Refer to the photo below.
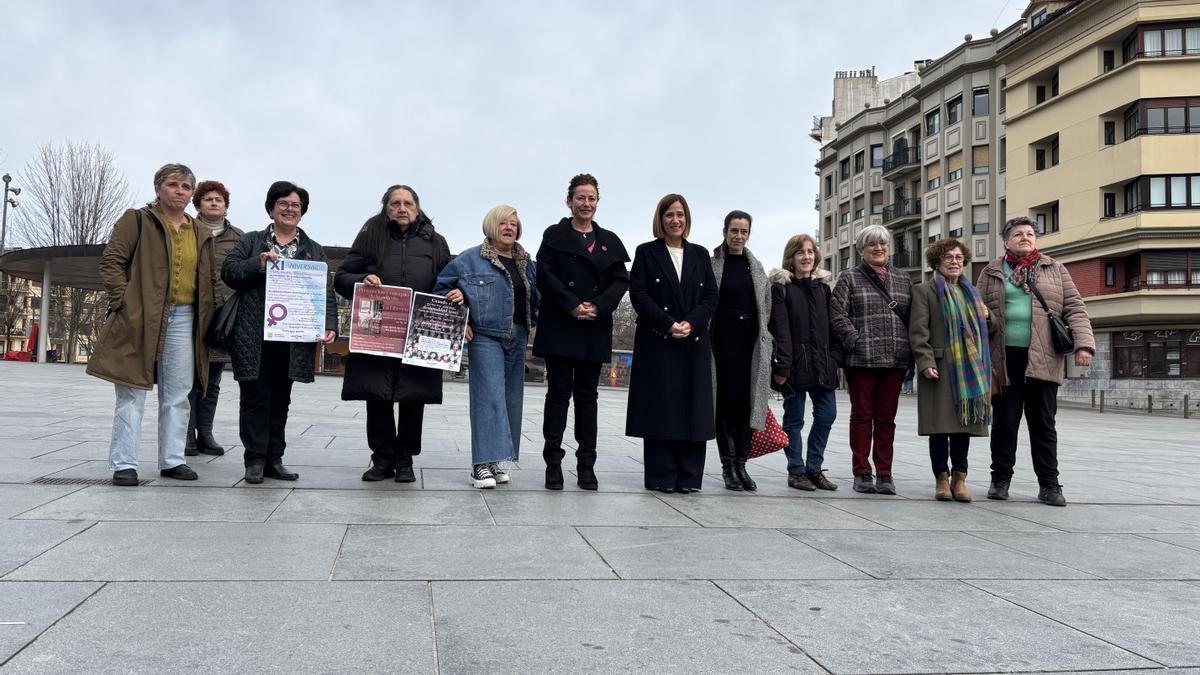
[769,439]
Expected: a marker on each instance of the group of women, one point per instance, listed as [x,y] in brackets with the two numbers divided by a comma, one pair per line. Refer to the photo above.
[714,333]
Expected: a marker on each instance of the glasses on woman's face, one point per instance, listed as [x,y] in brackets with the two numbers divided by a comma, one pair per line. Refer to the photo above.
[288,206]
[954,258]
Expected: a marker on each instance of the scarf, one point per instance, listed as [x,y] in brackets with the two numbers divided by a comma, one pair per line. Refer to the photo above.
[880,271]
[1022,268]
[217,227]
[967,355]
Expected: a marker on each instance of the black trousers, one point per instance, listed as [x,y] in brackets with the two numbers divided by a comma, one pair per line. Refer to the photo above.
[733,338]
[393,443]
[952,447]
[263,411]
[566,377]
[1038,400]
[673,464]
[733,438]
[204,407]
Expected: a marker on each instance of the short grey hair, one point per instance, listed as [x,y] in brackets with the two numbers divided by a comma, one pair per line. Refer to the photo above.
[1013,224]
[870,235]
[168,170]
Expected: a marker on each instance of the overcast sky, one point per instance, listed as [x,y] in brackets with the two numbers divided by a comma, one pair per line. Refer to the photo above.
[472,103]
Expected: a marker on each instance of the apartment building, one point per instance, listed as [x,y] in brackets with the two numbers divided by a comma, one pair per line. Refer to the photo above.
[1103,152]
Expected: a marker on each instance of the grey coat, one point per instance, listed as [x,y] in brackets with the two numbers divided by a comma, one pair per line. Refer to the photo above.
[760,361]
[872,335]
[935,400]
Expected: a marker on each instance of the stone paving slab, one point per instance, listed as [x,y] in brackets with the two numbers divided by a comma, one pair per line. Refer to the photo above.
[19,499]
[711,553]
[182,504]
[1191,541]
[28,609]
[934,515]
[1155,619]
[1092,518]
[769,512]
[1109,556]
[30,470]
[932,555]
[195,552]
[241,627]
[582,508]
[208,474]
[921,626]
[604,627]
[388,552]
[24,540]
[373,508]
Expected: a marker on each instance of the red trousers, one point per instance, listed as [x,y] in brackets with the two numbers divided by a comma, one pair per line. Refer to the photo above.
[874,397]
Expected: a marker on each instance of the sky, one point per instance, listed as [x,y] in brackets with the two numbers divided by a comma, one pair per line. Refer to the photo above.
[473,104]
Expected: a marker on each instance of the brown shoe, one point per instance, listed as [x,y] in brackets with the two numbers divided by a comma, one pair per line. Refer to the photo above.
[958,487]
[821,482]
[801,482]
[942,490]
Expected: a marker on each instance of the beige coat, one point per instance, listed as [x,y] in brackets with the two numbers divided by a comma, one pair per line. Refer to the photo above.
[1064,299]
[135,269]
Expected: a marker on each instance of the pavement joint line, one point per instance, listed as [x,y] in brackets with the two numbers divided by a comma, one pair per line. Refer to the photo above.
[1147,536]
[1035,555]
[597,551]
[486,505]
[829,503]
[4,577]
[771,626]
[17,516]
[658,495]
[338,556]
[281,501]
[1067,625]
[830,555]
[437,662]
[52,624]
[50,452]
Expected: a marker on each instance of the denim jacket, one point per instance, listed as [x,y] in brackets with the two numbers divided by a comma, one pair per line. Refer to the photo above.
[484,282]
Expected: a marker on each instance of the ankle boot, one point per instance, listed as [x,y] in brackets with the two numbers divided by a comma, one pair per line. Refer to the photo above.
[732,482]
[942,490]
[958,487]
[739,468]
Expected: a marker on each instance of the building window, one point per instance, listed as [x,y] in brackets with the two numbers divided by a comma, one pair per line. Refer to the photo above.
[1003,94]
[1039,159]
[933,123]
[1110,60]
[1158,192]
[859,162]
[859,207]
[980,218]
[1133,196]
[828,185]
[954,167]
[845,169]
[1054,218]
[981,102]
[933,177]
[846,214]
[1040,223]
[1054,152]
[1039,94]
[1054,85]
[981,160]
[876,203]
[1003,153]
[1110,274]
[1110,204]
[1178,39]
[1110,133]
[828,227]
[954,110]
[1039,18]
[876,156]
[1166,354]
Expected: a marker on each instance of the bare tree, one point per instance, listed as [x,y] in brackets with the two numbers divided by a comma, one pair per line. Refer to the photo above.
[74,194]
[624,325]
[12,307]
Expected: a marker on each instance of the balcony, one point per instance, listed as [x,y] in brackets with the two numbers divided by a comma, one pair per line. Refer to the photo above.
[1168,281]
[902,259]
[901,212]
[901,162]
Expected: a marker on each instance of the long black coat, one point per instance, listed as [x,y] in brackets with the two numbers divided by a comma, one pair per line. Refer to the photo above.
[413,260]
[670,387]
[803,337]
[568,275]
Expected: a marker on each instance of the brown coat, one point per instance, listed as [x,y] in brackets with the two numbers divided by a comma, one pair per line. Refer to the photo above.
[134,268]
[935,399]
[1056,286]
[222,244]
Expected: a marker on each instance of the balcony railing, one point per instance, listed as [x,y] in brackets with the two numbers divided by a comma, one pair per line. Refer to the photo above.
[901,210]
[902,159]
[1139,283]
[905,259]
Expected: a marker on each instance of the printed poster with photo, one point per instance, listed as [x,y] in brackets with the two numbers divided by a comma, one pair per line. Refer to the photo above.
[418,328]
[436,333]
[379,319]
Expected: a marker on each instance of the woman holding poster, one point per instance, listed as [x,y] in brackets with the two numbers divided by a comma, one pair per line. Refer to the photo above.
[497,282]
[396,247]
[265,369]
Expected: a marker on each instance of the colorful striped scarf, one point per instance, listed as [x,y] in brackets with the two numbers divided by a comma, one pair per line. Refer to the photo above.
[967,355]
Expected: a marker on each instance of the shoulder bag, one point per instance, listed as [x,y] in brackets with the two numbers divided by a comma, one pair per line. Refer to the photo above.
[1060,332]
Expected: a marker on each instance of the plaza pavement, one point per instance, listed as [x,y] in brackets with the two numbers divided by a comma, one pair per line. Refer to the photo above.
[330,574]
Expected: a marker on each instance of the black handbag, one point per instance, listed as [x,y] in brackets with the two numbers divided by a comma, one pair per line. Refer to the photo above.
[220,331]
[1060,332]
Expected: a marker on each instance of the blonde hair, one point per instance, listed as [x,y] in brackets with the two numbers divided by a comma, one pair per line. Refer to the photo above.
[793,247]
[664,204]
[498,214]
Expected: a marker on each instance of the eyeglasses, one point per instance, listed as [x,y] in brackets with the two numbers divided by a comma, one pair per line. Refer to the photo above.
[288,206]
[950,258]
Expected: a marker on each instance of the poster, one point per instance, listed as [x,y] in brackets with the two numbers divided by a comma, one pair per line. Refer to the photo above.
[294,308]
[419,328]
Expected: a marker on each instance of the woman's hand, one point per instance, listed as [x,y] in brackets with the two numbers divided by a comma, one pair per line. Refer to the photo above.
[469,335]
[584,311]
[265,257]
[455,296]
[330,336]
[930,373]
[780,379]
[1083,358]
[371,280]
[681,330]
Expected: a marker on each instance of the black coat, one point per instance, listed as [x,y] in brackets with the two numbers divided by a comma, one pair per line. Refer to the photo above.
[412,260]
[803,337]
[242,273]
[568,275]
[670,386]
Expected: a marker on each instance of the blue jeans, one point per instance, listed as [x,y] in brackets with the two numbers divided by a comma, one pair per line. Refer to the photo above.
[176,373]
[824,413]
[497,388]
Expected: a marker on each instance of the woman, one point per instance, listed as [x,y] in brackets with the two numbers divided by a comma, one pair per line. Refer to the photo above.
[869,311]
[741,346]
[497,282]
[211,200]
[582,278]
[157,270]
[396,247]
[1024,363]
[948,333]
[265,370]
[674,294]
[804,362]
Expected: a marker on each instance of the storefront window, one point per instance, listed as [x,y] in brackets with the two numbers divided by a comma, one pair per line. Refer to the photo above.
[1165,354]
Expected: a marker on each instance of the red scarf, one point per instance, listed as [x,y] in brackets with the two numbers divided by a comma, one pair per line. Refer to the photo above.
[1022,267]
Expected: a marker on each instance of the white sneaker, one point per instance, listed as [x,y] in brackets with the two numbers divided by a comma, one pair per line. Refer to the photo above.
[482,477]
[500,474]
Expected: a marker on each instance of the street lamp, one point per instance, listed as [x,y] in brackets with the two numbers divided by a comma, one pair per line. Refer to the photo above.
[4,210]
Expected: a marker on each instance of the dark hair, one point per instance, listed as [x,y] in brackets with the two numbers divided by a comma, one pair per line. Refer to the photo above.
[1019,220]
[582,179]
[208,186]
[376,228]
[422,217]
[939,248]
[664,204]
[282,188]
[736,215]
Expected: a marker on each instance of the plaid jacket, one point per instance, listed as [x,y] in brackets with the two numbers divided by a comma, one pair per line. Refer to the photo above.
[872,335]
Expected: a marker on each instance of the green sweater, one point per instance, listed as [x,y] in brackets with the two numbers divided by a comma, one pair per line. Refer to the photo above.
[1018,312]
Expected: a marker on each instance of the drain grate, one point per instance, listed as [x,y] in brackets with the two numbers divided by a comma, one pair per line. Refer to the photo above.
[46,480]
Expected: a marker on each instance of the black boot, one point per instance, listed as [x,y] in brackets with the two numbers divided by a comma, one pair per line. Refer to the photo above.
[725,451]
[554,477]
[587,477]
[739,467]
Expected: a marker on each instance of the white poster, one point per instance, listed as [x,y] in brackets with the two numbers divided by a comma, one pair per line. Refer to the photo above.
[294,310]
